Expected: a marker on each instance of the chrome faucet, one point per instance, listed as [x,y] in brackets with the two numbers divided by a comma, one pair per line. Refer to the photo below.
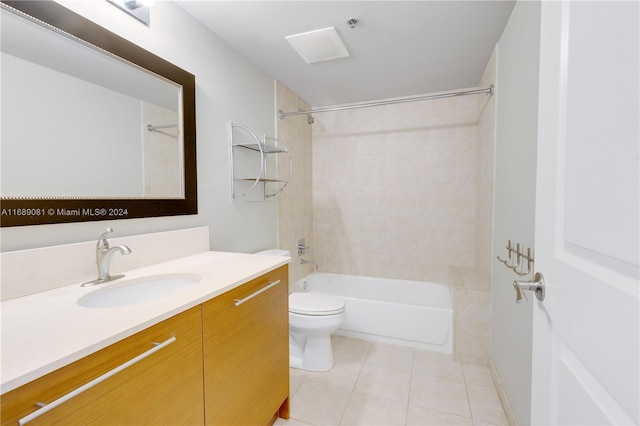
[305,261]
[104,254]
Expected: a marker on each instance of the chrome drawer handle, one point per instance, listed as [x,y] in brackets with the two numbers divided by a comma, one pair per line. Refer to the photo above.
[252,295]
[92,383]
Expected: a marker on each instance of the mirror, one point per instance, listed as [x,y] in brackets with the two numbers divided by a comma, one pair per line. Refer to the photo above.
[93,126]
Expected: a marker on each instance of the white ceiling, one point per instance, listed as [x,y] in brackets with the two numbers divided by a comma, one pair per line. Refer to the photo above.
[398,48]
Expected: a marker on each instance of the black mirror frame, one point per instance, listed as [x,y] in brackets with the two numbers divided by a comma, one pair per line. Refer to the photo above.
[20,212]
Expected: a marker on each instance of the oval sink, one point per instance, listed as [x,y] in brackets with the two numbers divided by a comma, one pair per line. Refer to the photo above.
[139,290]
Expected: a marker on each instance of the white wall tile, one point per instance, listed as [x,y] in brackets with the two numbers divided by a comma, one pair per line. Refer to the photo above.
[409,182]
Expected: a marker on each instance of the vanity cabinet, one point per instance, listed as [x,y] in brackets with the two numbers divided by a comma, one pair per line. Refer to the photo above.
[246,352]
[164,387]
[223,362]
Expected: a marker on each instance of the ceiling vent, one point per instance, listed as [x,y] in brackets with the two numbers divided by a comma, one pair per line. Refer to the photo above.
[319,45]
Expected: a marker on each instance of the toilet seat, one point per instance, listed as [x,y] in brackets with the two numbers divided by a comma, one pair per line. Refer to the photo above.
[315,304]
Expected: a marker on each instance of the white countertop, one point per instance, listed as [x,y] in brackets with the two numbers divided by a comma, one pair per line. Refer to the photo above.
[45,331]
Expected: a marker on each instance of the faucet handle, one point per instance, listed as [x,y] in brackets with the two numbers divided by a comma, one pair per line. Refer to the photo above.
[102,241]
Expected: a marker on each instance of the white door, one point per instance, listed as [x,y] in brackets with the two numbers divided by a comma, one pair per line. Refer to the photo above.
[586,331]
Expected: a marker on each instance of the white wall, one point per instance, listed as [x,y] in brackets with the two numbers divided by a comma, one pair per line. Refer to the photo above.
[45,131]
[228,87]
[514,203]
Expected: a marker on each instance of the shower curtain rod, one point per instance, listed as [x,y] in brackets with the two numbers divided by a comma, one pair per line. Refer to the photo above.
[488,90]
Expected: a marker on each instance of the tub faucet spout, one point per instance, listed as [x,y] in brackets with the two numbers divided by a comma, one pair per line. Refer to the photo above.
[305,261]
[104,254]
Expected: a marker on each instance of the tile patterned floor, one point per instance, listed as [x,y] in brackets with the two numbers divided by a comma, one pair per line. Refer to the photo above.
[380,384]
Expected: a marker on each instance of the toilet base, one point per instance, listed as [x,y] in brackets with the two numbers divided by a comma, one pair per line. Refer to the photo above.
[313,354]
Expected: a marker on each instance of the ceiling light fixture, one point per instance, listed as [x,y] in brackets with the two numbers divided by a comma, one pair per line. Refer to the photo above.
[134,4]
[319,45]
[139,9]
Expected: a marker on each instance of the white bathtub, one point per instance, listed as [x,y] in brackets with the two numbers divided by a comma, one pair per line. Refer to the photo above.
[410,313]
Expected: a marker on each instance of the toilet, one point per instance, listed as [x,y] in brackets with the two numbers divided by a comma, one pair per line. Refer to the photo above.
[312,319]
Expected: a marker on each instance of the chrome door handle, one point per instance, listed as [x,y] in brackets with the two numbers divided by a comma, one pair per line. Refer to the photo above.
[537,286]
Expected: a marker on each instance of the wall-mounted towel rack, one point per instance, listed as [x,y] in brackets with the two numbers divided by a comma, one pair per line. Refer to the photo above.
[254,171]
[152,128]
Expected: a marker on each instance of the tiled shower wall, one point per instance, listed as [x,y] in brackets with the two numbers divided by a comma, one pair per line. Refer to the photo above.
[295,212]
[485,171]
[394,189]
[472,286]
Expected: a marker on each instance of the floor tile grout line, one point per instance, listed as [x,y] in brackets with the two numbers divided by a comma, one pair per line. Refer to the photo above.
[344,411]
[466,389]
[355,385]
[413,361]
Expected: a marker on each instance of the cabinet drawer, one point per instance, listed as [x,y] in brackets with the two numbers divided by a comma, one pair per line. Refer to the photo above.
[246,352]
[163,388]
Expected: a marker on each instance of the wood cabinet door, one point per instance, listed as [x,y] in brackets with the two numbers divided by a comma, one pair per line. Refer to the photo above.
[164,388]
[246,352]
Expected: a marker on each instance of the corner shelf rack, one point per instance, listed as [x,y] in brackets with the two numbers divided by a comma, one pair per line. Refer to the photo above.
[252,173]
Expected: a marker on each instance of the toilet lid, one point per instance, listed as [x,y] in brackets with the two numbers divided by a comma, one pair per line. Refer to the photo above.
[315,304]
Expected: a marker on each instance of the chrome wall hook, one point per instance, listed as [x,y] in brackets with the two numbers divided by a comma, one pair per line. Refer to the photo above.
[510,253]
[529,258]
[519,256]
